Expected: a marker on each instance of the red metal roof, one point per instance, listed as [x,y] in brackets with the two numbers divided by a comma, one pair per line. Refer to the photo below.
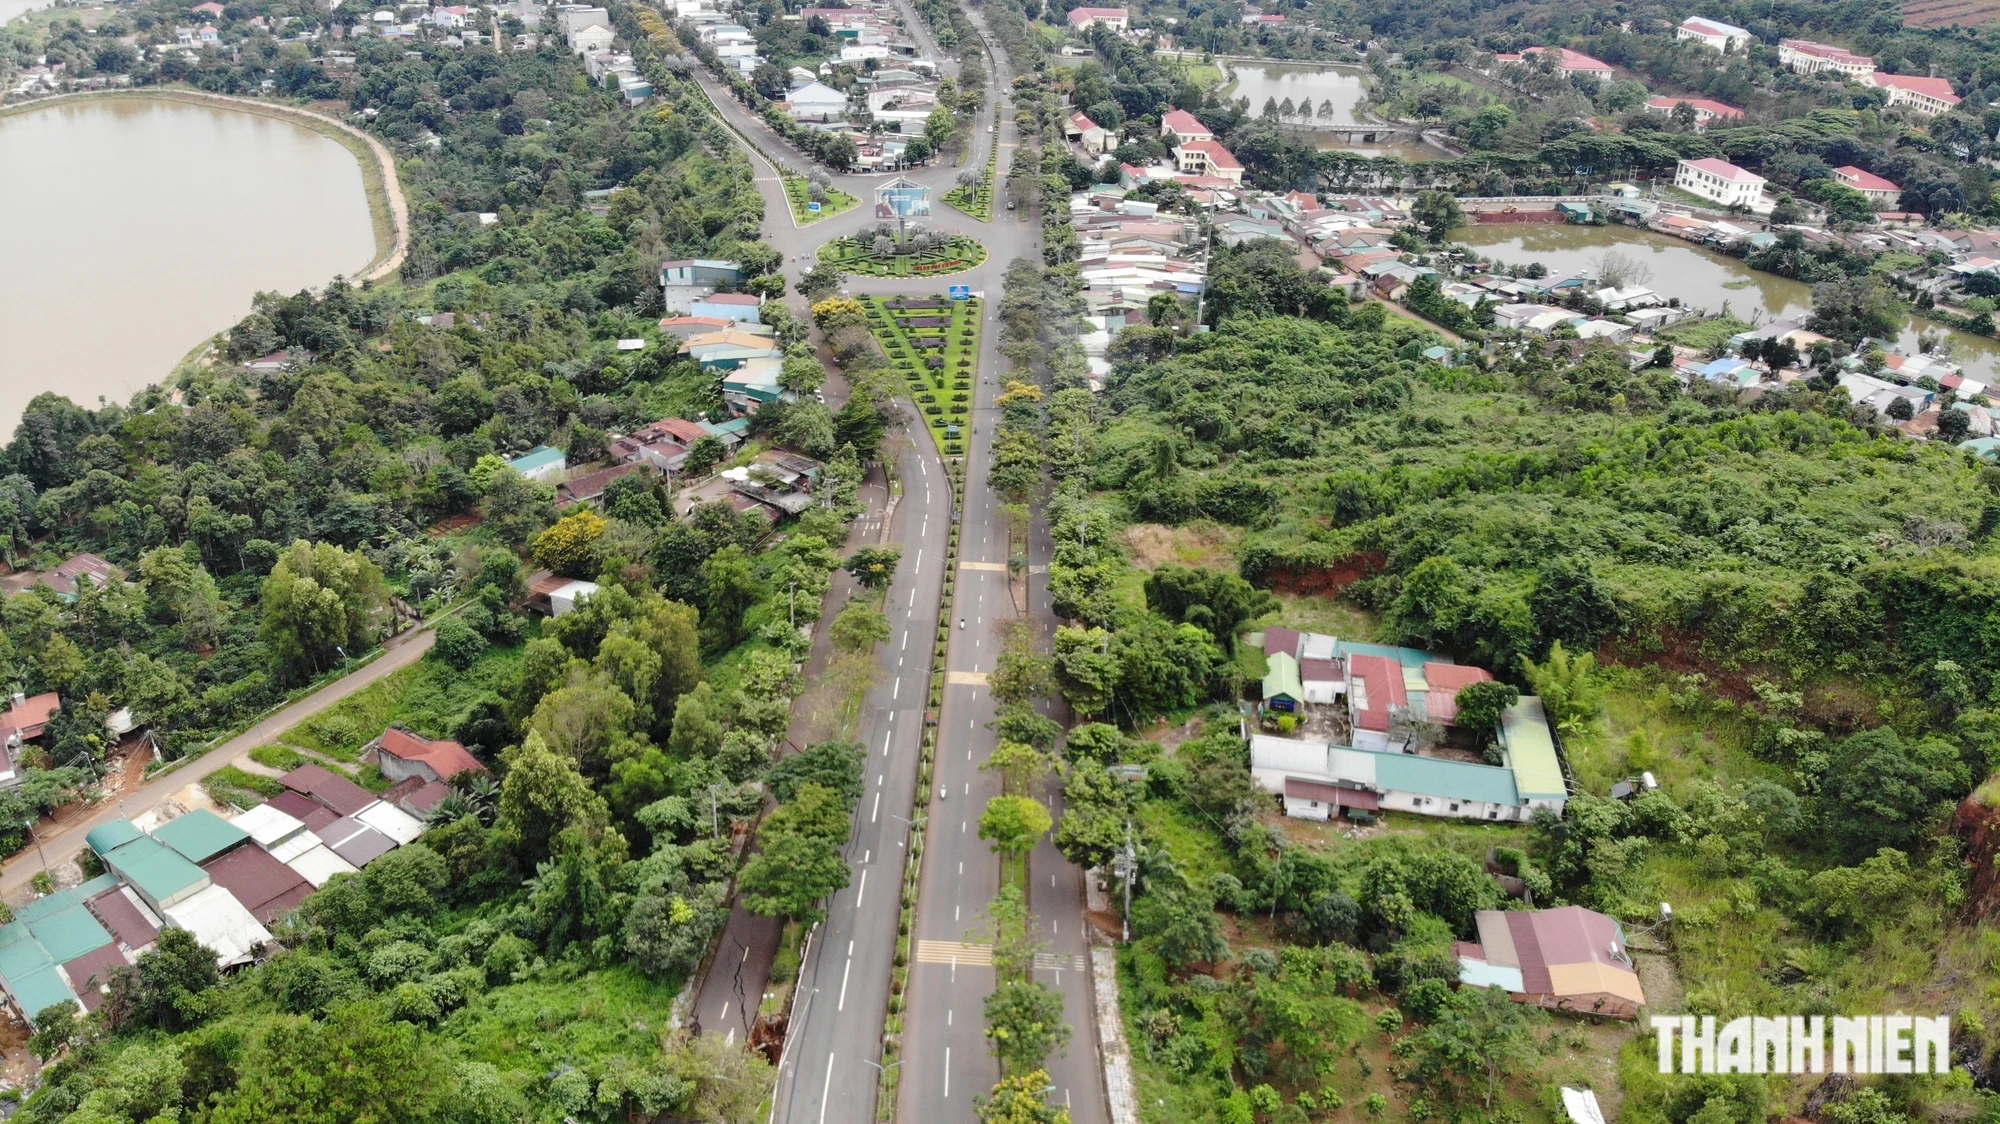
[266,887]
[1381,685]
[1281,640]
[32,716]
[445,758]
[122,919]
[1863,181]
[1184,123]
[90,973]
[1721,168]
[336,792]
[1443,682]
[1319,671]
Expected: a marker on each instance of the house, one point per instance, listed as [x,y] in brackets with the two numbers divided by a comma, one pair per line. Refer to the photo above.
[1182,127]
[401,754]
[1705,110]
[729,306]
[1802,56]
[1568,63]
[1316,780]
[1879,191]
[1727,372]
[1713,34]
[753,386]
[28,717]
[1928,96]
[1208,158]
[1083,19]
[542,463]
[589,40]
[689,326]
[685,272]
[209,8]
[1719,181]
[816,101]
[1095,138]
[591,485]
[557,595]
[57,949]
[1567,959]
[1283,690]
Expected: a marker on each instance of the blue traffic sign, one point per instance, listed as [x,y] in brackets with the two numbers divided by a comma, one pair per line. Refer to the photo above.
[961,292]
[813,207]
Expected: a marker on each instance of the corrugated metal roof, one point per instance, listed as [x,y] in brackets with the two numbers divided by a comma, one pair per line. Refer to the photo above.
[1480,973]
[319,864]
[266,887]
[90,973]
[200,835]
[1531,750]
[305,809]
[1452,780]
[158,872]
[391,821]
[269,825]
[1281,678]
[219,921]
[119,910]
[356,841]
[336,792]
[70,933]
[106,837]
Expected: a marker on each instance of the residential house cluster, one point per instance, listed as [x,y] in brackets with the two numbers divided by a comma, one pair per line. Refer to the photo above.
[223,880]
[1373,751]
[875,85]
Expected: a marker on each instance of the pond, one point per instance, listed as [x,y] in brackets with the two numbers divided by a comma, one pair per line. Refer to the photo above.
[1342,87]
[1699,277]
[11,8]
[136,228]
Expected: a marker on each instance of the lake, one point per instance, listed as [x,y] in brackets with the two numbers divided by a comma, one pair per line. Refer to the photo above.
[1700,278]
[137,228]
[11,8]
[1342,86]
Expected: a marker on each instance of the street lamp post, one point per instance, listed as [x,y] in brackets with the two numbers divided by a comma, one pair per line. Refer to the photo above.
[30,824]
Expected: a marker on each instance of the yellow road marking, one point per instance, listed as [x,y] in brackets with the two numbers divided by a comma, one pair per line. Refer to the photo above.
[952,952]
[966,678]
[997,566]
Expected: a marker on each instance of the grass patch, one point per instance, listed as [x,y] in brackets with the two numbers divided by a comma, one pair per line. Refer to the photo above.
[231,785]
[278,757]
[977,199]
[1702,334]
[426,696]
[541,1025]
[798,192]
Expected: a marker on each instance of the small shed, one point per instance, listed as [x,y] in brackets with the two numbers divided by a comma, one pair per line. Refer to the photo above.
[565,597]
[1283,691]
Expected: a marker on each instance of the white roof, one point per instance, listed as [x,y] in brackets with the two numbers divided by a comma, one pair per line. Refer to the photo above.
[268,826]
[295,846]
[1581,1106]
[219,921]
[391,821]
[319,863]
[578,590]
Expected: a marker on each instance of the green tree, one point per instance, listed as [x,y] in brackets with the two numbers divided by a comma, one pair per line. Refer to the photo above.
[353,1068]
[1481,705]
[1013,824]
[1092,829]
[1438,213]
[1019,1099]
[874,567]
[570,547]
[172,986]
[1182,926]
[1479,1035]
[544,795]
[458,644]
[731,586]
[320,599]
[1882,788]
[1024,1023]
[1568,687]
[859,627]
[1021,767]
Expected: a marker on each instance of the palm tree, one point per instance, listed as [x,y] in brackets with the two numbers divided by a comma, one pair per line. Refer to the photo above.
[453,808]
[481,792]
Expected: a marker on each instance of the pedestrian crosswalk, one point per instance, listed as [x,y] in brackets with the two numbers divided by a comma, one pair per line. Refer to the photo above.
[953,952]
[1050,962]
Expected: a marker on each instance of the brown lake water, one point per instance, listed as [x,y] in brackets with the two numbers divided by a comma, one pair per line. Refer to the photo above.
[136,228]
[1699,277]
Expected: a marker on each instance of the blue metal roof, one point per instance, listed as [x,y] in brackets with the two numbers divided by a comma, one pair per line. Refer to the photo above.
[541,456]
[1453,780]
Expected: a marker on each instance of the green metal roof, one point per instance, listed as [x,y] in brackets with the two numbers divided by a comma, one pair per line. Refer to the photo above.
[541,456]
[63,899]
[1531,750]
[1408,657]
[200,835]
[33,980]
[155,869]
[1281,679]
[104,838]
[1432,776]
[70,933]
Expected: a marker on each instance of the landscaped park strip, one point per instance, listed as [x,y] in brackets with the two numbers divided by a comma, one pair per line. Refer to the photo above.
[977,201]
[798,192]
[857,255]
[934,343]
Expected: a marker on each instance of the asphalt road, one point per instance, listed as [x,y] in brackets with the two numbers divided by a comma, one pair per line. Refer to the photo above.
[828,1073]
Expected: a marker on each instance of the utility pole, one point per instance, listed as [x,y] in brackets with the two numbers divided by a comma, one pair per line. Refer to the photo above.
[1126,865]
[38,843]
[794,611]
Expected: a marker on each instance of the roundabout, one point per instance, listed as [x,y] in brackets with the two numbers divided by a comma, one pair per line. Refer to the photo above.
[882,253]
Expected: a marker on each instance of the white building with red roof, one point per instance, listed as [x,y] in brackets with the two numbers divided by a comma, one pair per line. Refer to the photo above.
[1720,181]
[1803,56]
[1117,19]
[1183,127]
[1713,34]
[1928,96]
[1208,159]
[402,754]
[1569,63]
[1094,138]
[1879,191]
[1705,110]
